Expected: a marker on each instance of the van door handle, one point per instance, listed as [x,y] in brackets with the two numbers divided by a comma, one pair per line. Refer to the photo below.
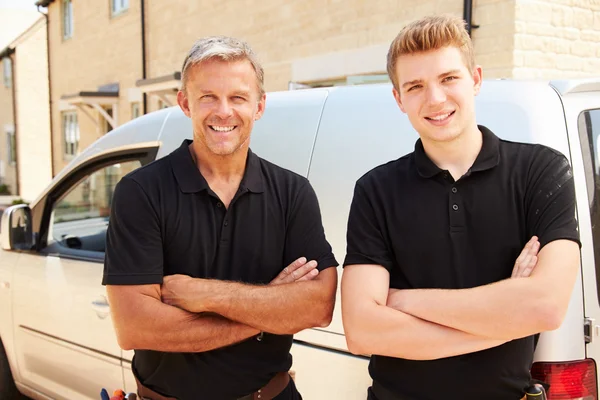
[101,307]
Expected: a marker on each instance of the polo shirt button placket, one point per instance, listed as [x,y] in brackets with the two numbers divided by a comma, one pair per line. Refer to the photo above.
[454,190]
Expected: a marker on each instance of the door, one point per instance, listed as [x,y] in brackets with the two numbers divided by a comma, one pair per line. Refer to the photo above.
[64,335]
[583,119]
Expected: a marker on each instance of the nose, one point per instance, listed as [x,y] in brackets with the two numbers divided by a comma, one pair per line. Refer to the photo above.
[223,109]
[436,95]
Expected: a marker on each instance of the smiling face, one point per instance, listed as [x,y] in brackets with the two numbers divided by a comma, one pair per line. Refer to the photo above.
[223,100]
[437,92]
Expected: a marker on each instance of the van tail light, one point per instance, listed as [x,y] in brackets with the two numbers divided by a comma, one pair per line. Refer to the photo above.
[573,380]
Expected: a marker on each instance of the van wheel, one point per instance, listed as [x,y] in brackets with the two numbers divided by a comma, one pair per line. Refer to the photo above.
[8,390]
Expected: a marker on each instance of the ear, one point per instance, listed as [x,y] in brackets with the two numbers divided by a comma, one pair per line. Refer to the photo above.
[398,99]
[261,107]
[477,78]
[182,100]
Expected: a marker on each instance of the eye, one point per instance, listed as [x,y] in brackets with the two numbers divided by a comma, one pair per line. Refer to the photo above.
[207,97]
[239,98]
[449,78]
[414,88]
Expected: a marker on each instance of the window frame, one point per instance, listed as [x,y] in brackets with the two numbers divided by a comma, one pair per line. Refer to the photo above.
[589,150]
[11,146]
[55,244]
[42,210]
[136,110]
[70,127]
[118,7]
[7,72]
[67,19]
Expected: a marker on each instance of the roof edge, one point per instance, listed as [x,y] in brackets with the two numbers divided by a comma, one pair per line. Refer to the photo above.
[43,3]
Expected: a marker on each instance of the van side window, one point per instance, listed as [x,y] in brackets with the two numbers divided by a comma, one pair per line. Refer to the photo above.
[80,218]
[589,136]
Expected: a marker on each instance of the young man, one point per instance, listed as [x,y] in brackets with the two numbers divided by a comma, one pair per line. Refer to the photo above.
[430,287]
[214,224]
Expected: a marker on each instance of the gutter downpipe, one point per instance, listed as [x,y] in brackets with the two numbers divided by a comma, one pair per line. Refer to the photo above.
[49,91]
[468,15]
[143,18]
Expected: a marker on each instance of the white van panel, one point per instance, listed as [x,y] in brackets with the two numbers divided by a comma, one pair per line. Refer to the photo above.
[285,134]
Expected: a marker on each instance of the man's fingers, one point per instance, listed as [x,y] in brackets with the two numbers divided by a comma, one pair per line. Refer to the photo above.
[524,259]
[309,276]
[281,278]
[526,271]
[305,269]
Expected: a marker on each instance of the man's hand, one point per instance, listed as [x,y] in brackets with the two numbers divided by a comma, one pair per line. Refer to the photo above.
[184,292]
[523,268]
[298,271]
[527,260]
[191,294]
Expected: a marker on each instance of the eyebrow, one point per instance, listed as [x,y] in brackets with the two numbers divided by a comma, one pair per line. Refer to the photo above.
[417,81]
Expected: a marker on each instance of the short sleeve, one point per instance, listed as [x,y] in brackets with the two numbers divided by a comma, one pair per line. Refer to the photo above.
[550,200]
[305,236]
[134,253]
[365,243]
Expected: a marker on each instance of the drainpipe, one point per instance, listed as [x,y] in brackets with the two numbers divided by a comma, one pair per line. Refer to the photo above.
[143,18]
[468,15]
[49,91]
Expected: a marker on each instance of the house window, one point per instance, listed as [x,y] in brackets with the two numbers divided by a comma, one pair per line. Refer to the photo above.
[70,128]
[7,67]
[67,14]
[11,146]
[118,6]
[135,110]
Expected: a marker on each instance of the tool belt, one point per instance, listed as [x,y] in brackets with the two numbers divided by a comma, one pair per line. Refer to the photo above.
[267,392]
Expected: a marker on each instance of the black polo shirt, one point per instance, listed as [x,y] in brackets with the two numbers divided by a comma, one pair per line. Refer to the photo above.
[430,231]
[166,220]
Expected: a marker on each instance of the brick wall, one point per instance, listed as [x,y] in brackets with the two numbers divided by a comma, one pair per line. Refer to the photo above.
[557,39]
[33,114]
[285,32]
[104,49]
[515,38]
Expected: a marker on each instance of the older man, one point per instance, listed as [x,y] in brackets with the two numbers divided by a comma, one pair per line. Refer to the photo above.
[214,224]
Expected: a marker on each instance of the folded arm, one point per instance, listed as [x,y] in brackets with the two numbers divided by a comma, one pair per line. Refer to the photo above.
[143,321]
[508,309]
[281,309]
[373,328]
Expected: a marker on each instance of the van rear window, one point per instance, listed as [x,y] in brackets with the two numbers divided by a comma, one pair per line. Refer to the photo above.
[589,135]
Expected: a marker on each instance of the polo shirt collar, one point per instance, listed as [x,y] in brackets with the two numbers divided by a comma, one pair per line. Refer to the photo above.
[488,157]
[190,180]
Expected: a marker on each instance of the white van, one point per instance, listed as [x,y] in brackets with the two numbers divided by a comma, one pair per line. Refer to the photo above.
[56,333]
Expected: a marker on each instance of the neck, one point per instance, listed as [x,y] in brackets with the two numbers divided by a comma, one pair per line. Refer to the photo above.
[214,167]
[458,155]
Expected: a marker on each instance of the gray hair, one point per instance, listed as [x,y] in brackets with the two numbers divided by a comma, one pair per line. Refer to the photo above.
[223,48]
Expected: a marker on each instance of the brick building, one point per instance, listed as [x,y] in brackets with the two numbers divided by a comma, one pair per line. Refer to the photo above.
[25,158]
[104,71]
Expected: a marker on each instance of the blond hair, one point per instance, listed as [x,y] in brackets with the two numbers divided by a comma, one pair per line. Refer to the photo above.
[225,49]
[430,33]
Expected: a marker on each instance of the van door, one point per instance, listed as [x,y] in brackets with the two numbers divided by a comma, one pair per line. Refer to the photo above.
[354,137]
[64,336]
[582,114]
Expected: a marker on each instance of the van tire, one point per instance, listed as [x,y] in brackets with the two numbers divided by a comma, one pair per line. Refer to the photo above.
[8,390]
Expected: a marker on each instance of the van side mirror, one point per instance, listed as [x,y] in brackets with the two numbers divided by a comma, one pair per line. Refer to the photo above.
[15,228]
